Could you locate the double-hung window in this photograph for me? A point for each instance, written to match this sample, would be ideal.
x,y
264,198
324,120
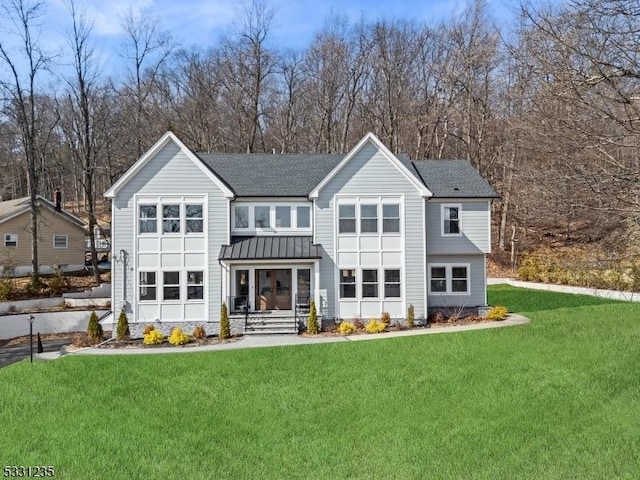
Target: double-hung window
x,y
391,218
449,279
195,219
171,218
347,283
391,283
346,219
195,285
171,285
369,283
451,220
60,241
147,285
369,218
148,218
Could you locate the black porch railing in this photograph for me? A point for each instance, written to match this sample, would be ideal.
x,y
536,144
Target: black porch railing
x,y
301,306
239,304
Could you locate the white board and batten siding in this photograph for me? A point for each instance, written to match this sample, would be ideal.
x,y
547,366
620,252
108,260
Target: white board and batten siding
x,y
371,177
171,175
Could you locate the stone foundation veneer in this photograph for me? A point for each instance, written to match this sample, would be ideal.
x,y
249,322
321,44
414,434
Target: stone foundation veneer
x,y
210,328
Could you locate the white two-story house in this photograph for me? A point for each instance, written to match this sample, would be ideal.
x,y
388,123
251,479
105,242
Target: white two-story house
x,y
359,234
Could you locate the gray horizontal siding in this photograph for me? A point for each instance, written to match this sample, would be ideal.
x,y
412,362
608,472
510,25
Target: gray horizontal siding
x,y
476,234
170,172
370,173
478,282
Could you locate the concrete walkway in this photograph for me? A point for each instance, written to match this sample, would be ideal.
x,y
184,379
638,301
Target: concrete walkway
x,y
595,292
264,341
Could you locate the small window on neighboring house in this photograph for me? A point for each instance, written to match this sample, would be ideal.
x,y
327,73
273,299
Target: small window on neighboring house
x,y
147,285
195,220
391,218
368,218
148,222
241,216
261,215
451,220
392,283
304,216
438,279
171,286
283,217
369,283
346,219
60,241
170,218
11,240
348,283
195,285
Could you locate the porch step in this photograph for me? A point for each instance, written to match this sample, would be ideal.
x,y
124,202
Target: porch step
x,y
267,324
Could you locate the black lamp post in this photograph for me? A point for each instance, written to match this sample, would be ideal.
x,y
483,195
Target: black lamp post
x,y
31,318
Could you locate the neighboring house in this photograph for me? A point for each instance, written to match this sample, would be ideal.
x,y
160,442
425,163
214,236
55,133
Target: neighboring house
x,y
359,234
60,237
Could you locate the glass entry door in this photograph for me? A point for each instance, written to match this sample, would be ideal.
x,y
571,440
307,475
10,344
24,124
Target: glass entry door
x,y
273,289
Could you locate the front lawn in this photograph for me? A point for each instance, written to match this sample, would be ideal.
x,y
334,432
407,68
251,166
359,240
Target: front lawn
x,y
557,398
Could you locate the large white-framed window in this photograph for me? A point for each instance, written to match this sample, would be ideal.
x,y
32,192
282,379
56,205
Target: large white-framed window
x,y
147,286
369,283
369,215
392,281
11,240
451,219
60,241
390,218
195,285
173,285
449,279
174,216
271,218
368,218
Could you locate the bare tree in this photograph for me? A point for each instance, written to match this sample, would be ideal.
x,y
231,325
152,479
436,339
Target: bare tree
x,y
19,95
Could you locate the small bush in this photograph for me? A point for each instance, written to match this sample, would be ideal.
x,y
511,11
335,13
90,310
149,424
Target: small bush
x,y
225,328
7,289
199,333
346,328
178,337
437,317
94,330
312,321
148,328
498,312
385,318
411,319
58,283
358,324
122,332
375,326
154,337
35,286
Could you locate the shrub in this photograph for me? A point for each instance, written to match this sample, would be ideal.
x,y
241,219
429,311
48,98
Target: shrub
x,y
375,326
411,319
7,289
346,328
122,331
34,286
148,328
178,337
312,321
58,282
94,330
199,333
225,328
154,337
385,318
358,324
498,312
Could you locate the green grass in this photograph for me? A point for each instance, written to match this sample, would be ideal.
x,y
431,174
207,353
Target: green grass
x,y
557,398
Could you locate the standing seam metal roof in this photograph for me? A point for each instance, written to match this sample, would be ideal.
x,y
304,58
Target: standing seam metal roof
x,y
269,248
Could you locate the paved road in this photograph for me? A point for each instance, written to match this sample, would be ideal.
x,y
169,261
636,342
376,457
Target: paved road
x,y
15,353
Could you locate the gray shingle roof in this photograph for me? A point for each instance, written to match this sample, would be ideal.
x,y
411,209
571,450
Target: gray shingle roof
x,y
270,175
17,206
295,175
452,179
269,248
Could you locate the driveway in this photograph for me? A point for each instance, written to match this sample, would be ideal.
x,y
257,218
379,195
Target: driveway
x,y
14,353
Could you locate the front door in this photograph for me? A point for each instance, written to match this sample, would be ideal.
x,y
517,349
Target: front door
x,y
273,289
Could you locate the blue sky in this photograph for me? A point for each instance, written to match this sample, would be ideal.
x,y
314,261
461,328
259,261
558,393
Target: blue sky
x,y
196,22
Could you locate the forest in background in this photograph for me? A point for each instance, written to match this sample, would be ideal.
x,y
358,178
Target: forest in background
x,y
546,108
